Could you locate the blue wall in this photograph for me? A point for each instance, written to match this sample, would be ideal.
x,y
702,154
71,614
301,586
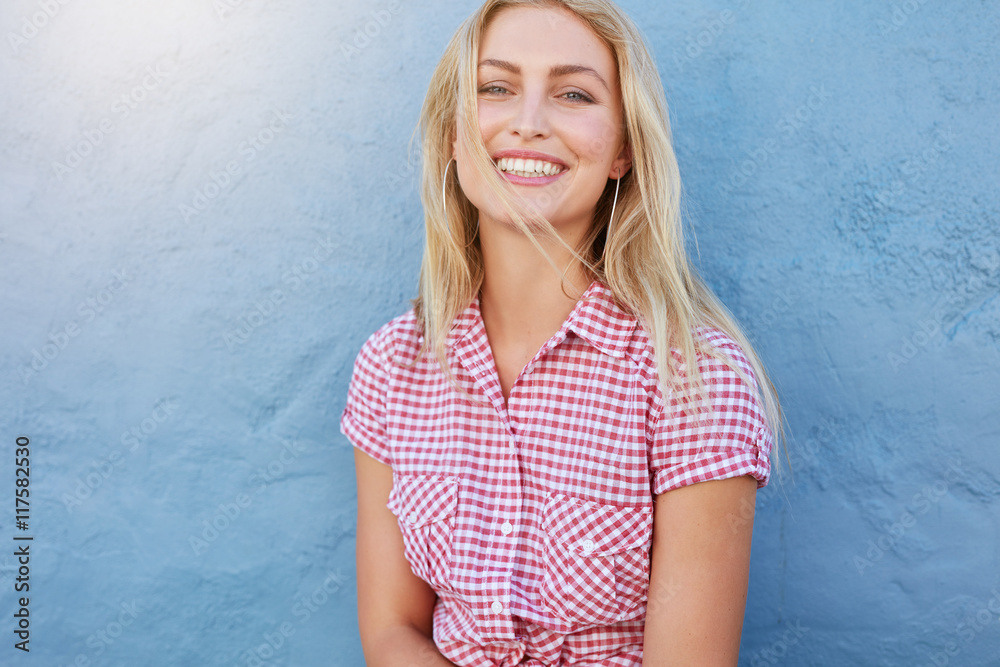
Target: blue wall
x,y
207,207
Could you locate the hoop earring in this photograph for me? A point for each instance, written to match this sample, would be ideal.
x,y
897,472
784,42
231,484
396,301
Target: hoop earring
x,y
444,188
614,203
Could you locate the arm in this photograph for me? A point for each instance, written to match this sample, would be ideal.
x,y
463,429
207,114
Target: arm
x,y
395,607
699,571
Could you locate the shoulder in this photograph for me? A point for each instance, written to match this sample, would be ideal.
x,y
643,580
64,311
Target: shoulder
x,y
396,341
727,378
714,348
723,380
714,344
711,423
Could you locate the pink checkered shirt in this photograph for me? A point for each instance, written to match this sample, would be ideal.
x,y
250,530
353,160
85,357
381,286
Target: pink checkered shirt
x,y
533,521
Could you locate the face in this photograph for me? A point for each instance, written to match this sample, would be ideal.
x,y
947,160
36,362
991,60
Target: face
x,y
550,115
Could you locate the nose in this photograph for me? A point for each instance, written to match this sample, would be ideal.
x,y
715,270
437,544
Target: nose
x,y
530,118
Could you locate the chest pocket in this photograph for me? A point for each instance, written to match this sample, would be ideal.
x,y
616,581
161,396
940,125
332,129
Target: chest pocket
x,y
425,508
596,560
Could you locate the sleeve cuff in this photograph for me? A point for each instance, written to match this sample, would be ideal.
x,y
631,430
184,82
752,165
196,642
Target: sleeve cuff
x,y
364,439
716,465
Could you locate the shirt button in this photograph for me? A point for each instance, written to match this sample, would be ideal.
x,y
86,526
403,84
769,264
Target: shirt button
x,y
413,518
497,606
587,545
506,528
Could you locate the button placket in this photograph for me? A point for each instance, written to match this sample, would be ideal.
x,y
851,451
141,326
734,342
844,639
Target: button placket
x,y
497,466
497,591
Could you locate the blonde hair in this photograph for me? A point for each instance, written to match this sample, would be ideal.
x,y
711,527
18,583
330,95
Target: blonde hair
x,y
643,261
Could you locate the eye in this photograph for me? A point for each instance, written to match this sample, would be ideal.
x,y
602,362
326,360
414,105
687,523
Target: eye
x,y
578,96
493,89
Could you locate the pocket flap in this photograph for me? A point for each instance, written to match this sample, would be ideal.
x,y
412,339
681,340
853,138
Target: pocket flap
x,y
418,500
592,529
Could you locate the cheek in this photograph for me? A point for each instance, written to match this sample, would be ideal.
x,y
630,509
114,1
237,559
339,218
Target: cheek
x,y
597,141
466,178
491,123
469,179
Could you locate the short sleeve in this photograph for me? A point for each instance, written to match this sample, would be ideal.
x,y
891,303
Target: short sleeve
x,y
728,437
363,420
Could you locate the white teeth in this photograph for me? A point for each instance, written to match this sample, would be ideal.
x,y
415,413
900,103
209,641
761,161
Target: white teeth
x,y
527,168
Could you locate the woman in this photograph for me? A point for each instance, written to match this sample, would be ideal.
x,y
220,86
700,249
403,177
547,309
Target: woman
x,y
552,446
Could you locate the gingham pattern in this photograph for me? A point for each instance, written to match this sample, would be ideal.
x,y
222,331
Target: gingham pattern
x,y
533,521
426,505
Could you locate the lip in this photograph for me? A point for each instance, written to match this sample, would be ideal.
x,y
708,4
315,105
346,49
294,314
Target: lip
x,y
530,155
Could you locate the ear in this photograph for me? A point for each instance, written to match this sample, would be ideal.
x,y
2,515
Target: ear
x,y
622,163
454,141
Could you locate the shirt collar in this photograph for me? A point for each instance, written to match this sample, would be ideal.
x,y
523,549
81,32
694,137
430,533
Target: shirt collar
x,y
597,318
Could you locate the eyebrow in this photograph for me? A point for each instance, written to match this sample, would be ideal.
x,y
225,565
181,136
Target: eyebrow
x,y
556,70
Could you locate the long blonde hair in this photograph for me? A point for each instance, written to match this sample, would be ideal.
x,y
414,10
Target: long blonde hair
x,y
643,261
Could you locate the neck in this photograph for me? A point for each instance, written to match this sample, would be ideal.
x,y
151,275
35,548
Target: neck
x,y
524,295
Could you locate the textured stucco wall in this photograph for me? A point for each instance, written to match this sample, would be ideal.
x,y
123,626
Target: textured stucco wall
x,y
205,207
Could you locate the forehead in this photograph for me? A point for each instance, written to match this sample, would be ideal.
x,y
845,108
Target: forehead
x,y
546,35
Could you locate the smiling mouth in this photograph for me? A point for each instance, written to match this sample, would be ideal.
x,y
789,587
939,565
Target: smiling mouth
x,y
528,168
